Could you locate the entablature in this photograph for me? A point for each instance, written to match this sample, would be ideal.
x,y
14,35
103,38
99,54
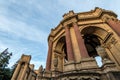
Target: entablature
x,y
93,16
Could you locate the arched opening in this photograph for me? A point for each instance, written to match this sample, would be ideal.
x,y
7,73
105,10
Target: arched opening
x,y
61,47
93,38
91,42
61,52
64,49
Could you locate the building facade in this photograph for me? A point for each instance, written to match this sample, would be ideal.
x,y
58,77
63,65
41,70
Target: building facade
x,y
78,39
75,43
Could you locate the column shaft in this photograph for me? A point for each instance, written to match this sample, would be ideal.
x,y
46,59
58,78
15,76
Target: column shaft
x,y
81,44
49,56
69,44
30,75
24,72
15,75
115,25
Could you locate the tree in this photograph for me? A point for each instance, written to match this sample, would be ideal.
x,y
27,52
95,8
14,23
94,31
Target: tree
x,y
5,73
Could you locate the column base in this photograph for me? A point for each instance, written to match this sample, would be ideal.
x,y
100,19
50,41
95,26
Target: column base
x,y
69,66
109,65
87,63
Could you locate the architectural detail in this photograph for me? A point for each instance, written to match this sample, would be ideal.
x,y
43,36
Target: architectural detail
x,y
82,48
75,44
114,25
84,37
24,70
49,54
69,44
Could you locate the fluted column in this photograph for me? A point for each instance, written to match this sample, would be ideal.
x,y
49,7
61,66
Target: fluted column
x,y
115,25
49,56
14,77
81,44
24,72
69,44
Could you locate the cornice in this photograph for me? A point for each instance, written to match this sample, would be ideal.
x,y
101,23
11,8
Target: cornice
x,y
70,17
97,13
55,31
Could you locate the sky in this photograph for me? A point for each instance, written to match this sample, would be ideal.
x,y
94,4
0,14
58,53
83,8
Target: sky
x,y
26,24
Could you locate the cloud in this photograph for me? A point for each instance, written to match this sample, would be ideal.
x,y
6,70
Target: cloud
x,y
16,33
21,29
25,24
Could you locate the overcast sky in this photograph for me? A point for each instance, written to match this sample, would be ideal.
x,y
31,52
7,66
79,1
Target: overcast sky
x,y
26,24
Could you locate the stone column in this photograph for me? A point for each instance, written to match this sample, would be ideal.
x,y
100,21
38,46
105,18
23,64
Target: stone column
x,y
49,56
69,44
24,72
15,75
115,25
30,75
80,40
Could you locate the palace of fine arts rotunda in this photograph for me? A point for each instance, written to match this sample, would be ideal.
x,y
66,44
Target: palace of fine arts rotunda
x,y
73,46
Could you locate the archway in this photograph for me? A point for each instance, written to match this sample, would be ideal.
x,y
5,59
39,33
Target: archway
x,y
61,52
91,42
92,39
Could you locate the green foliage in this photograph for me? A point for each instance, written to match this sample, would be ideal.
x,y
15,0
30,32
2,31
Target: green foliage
x,y
5,73
4,58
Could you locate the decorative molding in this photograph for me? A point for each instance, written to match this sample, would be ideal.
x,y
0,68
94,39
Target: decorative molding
x,y
108,36
66,15
113,40
68,22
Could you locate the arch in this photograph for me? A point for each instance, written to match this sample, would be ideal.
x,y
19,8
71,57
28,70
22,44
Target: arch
x,y
61,52
60,43
93,36
91,42
96,30
61,46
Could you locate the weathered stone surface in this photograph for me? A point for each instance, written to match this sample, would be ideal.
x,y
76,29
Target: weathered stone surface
x,y
72,48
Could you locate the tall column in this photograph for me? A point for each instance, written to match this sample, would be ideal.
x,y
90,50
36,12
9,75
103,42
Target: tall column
x,y
30,75
14,77
81,44
24,72
49,56
69,44
115,25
